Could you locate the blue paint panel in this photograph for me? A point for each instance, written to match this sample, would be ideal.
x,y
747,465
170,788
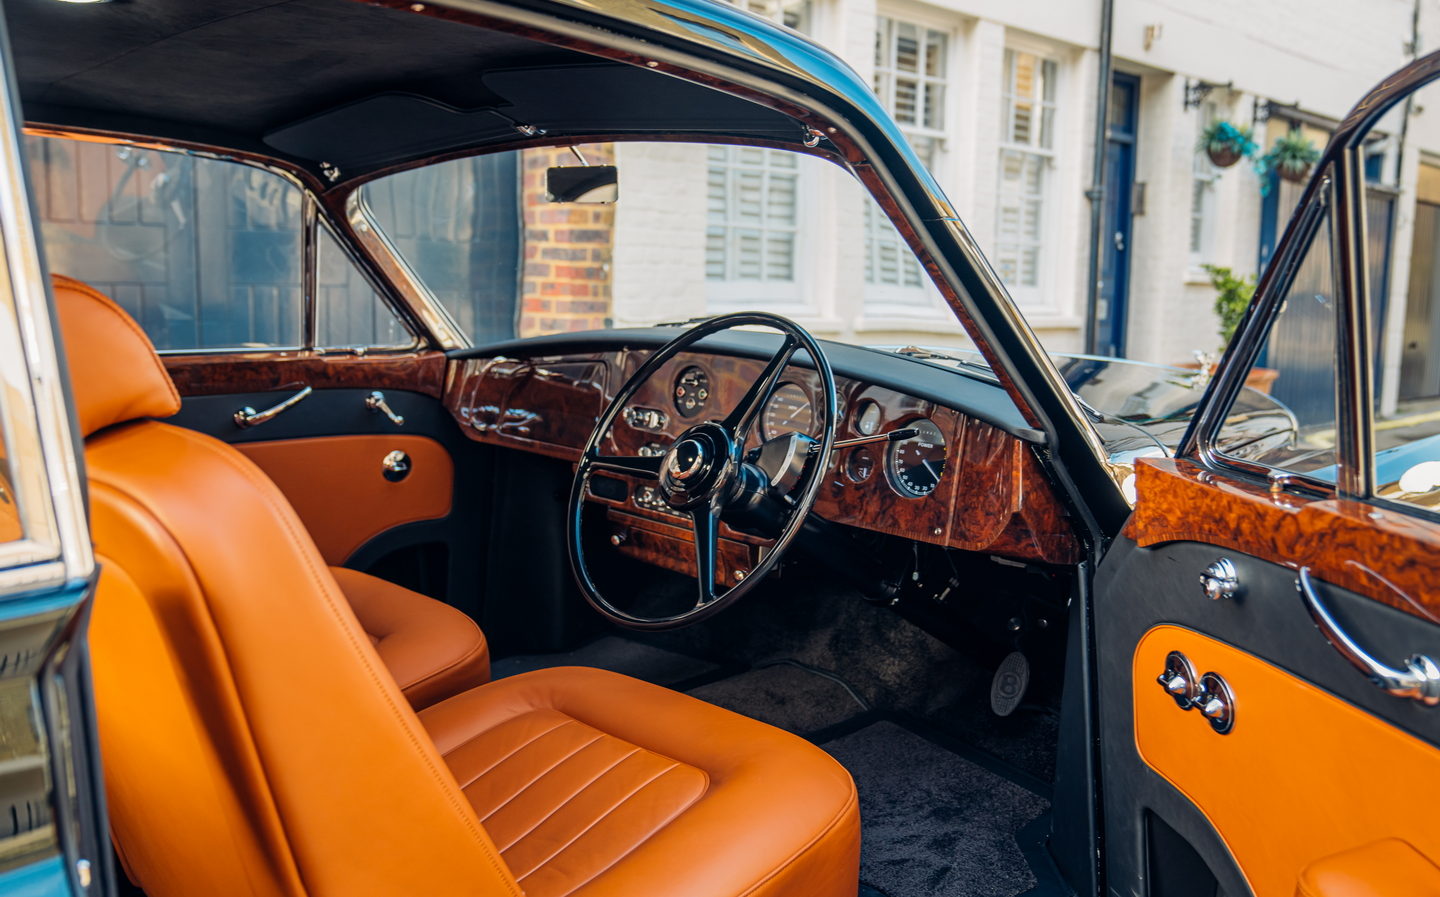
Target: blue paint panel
x,y
42,878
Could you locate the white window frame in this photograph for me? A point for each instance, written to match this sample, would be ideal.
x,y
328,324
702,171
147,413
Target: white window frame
x,y
1036,299
1205,178
900,302
789,296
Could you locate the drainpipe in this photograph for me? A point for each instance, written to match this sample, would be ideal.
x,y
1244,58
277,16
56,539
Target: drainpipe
x,y
1096,193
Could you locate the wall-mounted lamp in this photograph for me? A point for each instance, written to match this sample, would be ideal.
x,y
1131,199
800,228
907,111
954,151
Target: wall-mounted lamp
x,y
1196,91
1153,33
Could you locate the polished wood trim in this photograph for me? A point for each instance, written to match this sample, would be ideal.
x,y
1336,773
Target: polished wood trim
x,y
1383,554
238,372
672,546
994,496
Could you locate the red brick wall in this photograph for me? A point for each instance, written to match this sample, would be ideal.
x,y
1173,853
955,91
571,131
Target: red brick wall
x,y
568,250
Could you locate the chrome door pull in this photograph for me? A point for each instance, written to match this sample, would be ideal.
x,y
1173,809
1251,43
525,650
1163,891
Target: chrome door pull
x,y
1420,680
376,402
249,417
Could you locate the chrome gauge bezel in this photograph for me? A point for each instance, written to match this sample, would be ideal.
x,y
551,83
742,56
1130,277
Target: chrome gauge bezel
x,y
765,430
892,453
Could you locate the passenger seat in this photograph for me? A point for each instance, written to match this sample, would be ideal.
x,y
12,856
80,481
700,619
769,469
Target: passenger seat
x,y
433,650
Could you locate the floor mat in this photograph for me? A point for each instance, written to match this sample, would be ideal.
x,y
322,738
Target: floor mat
x,y
935,823
792,697
618,655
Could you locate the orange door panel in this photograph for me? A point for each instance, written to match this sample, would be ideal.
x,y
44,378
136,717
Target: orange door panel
x,y
338,485
1302,776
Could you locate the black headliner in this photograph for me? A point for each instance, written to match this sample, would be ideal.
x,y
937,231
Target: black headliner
x,y
230,72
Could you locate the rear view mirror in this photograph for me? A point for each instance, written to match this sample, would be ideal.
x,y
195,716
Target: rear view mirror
x,y
582,183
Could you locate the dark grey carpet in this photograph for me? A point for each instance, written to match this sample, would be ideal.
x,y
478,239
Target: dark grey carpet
x,y
618,655
935,823
790,697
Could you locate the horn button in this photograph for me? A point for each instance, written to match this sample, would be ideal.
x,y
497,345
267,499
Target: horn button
x,y
696,466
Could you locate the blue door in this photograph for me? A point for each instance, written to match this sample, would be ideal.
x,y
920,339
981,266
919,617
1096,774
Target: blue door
x,y
1115,238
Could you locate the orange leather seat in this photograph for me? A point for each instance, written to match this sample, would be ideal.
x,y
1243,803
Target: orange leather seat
x,y
255,743
432,649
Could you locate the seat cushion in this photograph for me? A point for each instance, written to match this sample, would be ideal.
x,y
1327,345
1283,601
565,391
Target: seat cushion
x,y
596,784
433,650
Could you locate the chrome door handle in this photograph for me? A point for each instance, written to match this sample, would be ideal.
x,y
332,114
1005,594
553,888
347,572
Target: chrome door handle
x,y
376,402
249,417
1420,680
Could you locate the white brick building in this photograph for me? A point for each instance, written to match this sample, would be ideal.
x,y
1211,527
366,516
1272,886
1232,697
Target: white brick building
x,y
999,96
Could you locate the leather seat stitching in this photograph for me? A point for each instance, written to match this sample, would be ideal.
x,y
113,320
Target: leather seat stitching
x,y
643,839
513,751
534,781
599,819
263,487
551,813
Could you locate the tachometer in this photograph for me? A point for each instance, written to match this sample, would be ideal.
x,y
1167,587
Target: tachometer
x,y
788,411
915,465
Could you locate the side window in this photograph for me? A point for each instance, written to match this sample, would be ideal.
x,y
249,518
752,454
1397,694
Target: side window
x,y
1407,381
1292,427
205,253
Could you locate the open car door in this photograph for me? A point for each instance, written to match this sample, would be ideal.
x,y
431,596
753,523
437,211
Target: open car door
x,y
53,835
1268,626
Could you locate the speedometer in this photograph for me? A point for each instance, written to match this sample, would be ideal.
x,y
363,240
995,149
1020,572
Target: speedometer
x,y
788,411
915,465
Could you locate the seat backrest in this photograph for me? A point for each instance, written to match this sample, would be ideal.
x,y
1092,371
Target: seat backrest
x,y
253,742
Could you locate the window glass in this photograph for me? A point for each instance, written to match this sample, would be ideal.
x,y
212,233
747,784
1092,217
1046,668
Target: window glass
x,y
1407,360
1297,369
459,225
697,229
348,310
204,253
1026,159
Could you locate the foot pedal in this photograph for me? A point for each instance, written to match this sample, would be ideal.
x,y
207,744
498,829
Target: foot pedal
x,y
1012,677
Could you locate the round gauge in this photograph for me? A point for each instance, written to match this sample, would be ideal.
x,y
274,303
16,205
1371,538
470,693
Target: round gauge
x,y
788,411
860,465
916,464
867,418
692,390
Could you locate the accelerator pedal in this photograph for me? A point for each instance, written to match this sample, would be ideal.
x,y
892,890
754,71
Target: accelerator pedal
x,y
1007,689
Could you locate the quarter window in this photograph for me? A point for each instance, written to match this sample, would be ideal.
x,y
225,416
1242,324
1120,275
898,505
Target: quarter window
x,y
1294,427
1027,153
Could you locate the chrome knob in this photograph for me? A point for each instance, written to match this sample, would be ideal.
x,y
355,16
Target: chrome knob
x,y
1216,702
1221,580
1180,680
395,466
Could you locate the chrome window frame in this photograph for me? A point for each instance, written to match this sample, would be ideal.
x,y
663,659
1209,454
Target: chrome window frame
x,y
41,448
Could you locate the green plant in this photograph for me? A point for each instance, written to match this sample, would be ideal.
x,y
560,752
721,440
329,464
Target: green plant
x,y
1226,144
1291,157
1232,297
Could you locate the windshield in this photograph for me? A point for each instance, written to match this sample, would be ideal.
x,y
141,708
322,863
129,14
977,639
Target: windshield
x,y
696,230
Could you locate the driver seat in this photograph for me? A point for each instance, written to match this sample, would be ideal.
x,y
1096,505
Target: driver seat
x,y
254,742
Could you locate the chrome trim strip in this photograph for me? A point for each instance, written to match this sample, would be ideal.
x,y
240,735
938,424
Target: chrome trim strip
x,y
432,314
44,460
1353,383
309,273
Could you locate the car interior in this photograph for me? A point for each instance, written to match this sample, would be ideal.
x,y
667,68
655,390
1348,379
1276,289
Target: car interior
x,y
407,615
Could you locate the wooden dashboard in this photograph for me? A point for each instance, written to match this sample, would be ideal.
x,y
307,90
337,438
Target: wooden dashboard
x,y
992,497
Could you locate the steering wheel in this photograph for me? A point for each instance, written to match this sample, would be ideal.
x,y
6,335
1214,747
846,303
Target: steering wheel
x,y
706,475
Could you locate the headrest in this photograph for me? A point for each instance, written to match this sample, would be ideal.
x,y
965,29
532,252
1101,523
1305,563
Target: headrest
x,y
114,371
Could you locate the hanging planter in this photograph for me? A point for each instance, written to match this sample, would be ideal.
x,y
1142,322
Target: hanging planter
x,y
1291,157
1226,144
